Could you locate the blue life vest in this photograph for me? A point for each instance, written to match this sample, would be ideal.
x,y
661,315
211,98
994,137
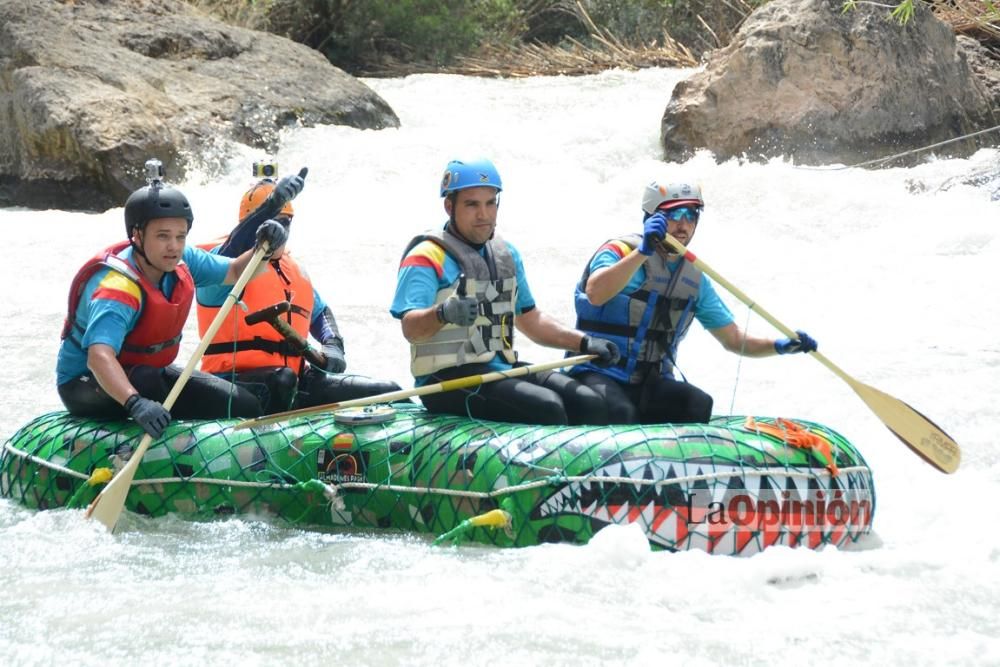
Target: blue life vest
x,y
646,325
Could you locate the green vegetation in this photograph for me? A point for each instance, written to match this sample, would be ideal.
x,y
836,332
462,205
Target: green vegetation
x,y
521,37
378,36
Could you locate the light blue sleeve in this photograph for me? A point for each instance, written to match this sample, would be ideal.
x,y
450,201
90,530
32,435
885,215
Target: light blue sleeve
x,y
525,300
206,268
709,308
416,288
318,306
104,322
608,257
107,321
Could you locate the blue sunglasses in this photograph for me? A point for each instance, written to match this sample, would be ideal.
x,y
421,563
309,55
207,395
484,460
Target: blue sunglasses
x,y
689,213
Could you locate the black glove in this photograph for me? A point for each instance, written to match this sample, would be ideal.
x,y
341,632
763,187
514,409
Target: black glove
x,y
458,310
274,233
333,350
654,229
288,187
606,351
148,414
804,343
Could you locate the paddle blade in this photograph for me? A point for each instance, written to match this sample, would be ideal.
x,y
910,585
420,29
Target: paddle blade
x,y
109,503
915,431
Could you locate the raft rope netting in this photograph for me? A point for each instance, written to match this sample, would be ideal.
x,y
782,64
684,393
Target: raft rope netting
x,y
271,487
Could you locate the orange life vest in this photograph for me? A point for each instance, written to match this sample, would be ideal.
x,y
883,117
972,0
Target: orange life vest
x,y
238,346
156,336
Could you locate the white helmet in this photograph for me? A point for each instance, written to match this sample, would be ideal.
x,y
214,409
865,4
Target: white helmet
x,y
666,196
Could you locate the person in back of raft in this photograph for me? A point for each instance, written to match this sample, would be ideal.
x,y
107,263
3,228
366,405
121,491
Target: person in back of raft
x,y
127,308
643,296
257,356
460,293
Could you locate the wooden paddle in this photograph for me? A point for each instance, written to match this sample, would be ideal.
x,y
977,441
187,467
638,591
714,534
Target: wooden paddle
x,y
388,397
916,431
107,506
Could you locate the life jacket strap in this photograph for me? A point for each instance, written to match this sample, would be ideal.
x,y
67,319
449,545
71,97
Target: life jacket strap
x,y
282,347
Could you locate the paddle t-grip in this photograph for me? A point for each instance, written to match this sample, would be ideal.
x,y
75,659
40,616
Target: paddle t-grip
x,y
269,313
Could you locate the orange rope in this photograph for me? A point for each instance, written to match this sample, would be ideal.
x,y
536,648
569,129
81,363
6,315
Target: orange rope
x,y
796,435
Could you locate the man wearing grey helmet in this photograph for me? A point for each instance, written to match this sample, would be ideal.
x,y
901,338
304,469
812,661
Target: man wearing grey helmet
x,y
642,296
127,308
461,292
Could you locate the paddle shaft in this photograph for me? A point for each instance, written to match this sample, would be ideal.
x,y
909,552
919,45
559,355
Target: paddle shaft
x,y
751,304
447,385
915,430
107,506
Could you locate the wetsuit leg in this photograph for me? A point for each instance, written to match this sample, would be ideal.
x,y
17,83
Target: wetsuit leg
x,y
203,397
510,400
274,386
621,401
317,387
583,404
668,400
84,397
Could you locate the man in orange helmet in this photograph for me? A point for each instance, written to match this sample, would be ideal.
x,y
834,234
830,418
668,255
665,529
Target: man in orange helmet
x,y
255,354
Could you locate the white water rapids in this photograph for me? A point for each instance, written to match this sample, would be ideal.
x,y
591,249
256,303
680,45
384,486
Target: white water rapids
x,y
898,286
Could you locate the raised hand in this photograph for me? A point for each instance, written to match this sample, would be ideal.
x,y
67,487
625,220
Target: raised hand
x,y
289,187
654,229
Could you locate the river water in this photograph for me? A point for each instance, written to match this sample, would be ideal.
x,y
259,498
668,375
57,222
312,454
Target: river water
x,y
894,277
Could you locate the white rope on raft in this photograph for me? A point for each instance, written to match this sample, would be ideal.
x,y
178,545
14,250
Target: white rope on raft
x,y
332,489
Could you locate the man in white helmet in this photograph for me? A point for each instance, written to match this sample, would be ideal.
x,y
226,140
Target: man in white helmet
x,y
461,291
638,293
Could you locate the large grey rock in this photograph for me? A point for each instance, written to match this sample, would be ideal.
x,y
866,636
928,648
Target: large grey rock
x,y
806,80
90,89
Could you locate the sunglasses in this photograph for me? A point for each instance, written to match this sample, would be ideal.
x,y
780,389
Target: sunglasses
x,y
688,213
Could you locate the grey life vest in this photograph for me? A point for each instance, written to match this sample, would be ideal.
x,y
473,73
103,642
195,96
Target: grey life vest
x,y
491,278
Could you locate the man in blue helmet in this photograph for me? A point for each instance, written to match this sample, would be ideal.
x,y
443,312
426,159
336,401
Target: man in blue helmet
x,y
639,293
460,293
127,308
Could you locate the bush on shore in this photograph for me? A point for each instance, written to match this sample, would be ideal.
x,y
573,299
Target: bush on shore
x,y
494,37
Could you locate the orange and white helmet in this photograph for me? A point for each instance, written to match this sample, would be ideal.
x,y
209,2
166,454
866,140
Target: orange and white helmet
x,y
662,196
256,196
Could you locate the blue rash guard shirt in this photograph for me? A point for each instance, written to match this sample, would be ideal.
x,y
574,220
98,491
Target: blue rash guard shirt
x,y
107,321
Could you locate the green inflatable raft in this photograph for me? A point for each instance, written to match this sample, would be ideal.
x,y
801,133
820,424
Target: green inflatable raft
x,y
734,486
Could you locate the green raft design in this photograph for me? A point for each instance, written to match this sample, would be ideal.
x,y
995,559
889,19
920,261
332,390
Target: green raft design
x,y
733,486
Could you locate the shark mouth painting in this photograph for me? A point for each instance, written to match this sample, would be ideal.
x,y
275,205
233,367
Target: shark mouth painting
x,y
717,508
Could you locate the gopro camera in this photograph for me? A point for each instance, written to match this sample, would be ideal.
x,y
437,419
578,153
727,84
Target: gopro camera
x,y
154,172
265,169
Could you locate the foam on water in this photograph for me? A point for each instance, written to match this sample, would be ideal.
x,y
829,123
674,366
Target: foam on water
x,y
896,284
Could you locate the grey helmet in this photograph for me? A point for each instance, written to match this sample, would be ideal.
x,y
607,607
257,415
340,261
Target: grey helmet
x,y
663,195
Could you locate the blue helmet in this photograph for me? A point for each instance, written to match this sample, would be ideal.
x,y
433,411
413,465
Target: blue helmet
x,y
459,175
